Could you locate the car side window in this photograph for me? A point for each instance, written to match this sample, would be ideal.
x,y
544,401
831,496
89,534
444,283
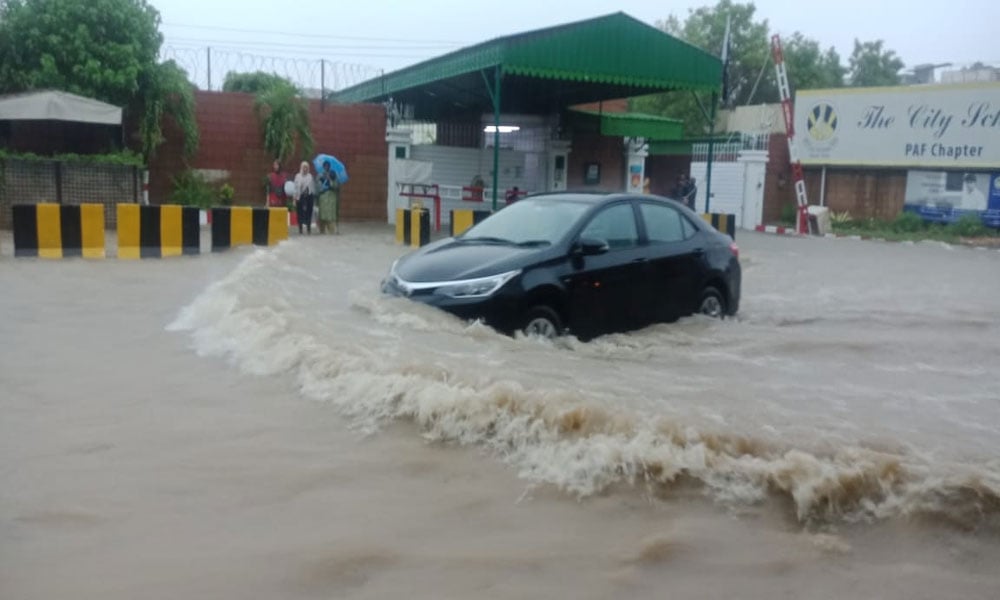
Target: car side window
x,y
616,225
664,224
689,228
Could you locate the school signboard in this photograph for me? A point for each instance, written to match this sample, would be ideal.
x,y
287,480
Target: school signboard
x,y
926,126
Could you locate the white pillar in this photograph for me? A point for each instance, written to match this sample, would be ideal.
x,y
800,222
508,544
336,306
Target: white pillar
x,y
557,170
754,163
399,142
636,151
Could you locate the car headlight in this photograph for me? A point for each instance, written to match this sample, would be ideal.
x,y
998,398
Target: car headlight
x,y
476,288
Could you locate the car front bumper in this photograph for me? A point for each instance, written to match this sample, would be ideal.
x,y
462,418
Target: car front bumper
x,y
499,310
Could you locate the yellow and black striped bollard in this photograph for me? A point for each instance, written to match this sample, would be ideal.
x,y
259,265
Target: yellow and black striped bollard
x,y
157,231
59,230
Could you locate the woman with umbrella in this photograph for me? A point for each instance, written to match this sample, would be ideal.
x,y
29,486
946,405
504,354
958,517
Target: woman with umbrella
x,y
329,198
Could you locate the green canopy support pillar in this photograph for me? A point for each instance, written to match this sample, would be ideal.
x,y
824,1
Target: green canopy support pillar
x,y
711,152
494,91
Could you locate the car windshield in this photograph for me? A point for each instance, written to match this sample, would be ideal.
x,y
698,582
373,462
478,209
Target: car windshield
x,y
533,221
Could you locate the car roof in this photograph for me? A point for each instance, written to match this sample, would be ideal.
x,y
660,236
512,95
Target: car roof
x,y
598,198
601,197
587,197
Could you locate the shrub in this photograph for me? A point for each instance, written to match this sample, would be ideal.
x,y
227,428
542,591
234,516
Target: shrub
x,y
226,193
840,218
970,226
191,189
908,222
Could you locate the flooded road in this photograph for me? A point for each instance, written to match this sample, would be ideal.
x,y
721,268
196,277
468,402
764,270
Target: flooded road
x,y
264,424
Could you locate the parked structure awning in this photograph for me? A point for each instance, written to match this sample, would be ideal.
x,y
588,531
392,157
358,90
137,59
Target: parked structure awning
x,y
547,70
58,106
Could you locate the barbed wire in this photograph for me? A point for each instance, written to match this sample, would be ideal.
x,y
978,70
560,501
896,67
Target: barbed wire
x,y
207,67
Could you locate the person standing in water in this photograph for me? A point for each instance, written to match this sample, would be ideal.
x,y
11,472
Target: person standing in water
x,y
275,184
329,199
305,197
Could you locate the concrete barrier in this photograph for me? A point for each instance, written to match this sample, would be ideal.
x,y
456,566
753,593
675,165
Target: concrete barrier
x,y
59,230
244,225
157,231
463,219
725,223
413,227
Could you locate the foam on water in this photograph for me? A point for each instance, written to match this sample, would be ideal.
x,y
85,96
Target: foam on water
x,y
360,359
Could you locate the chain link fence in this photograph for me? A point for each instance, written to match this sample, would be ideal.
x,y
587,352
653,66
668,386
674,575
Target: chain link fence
x,y
61,182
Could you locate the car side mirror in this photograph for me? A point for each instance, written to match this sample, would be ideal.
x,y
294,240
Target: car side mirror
x,y
590,247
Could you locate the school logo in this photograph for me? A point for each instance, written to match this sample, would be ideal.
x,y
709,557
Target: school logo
x,y
822,122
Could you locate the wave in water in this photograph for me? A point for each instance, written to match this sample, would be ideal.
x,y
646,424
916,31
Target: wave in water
x,y
559,436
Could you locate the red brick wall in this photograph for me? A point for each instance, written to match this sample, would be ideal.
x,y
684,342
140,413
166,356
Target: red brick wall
x,y
779,189
231,141
609,152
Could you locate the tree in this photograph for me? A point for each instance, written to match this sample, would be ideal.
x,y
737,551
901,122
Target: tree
x,y
705,28
167,91
751,71
809,67
284,121
102,49
872,65
252,83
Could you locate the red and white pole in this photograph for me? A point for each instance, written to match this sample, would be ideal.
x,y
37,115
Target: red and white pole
x,y
787,110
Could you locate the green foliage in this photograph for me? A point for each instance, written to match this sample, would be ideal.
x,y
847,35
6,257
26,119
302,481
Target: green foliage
x,y
94,48
751,73
840,218
911,227
125,157
103,49
226,193
191,189
908,222
809,66
253,83
971,226
284,121
872,65
168,92
705,28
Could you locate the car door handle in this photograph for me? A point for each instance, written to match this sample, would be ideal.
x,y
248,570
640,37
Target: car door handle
x,y
640,260
699,250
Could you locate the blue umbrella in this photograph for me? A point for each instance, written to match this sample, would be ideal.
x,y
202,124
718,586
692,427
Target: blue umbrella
x,y
335,165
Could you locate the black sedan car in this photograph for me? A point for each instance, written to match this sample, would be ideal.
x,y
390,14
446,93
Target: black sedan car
x,y
586,264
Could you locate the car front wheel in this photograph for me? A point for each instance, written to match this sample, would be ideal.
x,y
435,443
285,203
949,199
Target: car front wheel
x,y
712,303
541,321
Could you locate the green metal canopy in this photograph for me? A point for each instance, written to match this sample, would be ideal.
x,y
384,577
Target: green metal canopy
x,y
547,70
631,124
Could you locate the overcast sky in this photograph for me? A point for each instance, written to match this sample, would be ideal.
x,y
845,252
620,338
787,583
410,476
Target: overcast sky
x,y
364,36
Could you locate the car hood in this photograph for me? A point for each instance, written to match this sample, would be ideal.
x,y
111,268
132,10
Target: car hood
x,y
451,260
